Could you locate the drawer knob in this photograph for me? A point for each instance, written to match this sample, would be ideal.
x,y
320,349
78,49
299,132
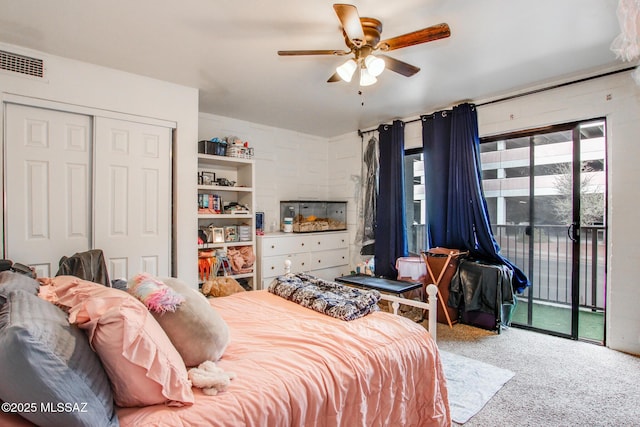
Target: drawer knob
x,y
273,246
319,261
302,243
272,267
303,263
318,242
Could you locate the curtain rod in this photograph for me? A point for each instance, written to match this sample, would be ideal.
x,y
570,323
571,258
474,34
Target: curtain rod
x,y
531,92
362,132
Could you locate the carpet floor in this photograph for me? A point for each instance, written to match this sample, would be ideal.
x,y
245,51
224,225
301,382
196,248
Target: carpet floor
x,y
557,381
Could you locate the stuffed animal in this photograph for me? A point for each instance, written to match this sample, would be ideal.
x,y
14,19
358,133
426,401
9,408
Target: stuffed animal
x,y
210,378
221,286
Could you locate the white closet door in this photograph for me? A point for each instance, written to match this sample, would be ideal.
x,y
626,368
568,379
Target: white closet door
x,y
47,178
132,209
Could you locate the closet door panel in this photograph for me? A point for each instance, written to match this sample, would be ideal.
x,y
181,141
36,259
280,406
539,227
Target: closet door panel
x,y
47,191
132,214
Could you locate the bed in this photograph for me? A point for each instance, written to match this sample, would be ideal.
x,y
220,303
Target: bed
x,y
298,367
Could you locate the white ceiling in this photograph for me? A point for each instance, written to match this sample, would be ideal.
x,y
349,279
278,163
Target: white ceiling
x,y
227,49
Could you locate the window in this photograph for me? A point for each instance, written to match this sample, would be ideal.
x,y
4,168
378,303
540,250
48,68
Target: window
x,y
505,175
415,210
509,162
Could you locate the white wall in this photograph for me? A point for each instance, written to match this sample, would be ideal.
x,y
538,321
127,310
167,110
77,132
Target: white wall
x,y
82,85
289,165
615,97
345,173
344,169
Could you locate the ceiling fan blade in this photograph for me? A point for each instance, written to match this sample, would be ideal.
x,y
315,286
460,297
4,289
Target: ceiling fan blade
x,y
398,66
312,52
350,20
434,32
334,78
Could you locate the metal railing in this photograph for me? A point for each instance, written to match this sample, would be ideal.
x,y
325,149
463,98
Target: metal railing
x,y
543,253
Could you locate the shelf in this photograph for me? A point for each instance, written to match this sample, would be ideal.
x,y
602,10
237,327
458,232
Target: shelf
x,y
224,216
243,276
224,188
234,276
204,246
219,160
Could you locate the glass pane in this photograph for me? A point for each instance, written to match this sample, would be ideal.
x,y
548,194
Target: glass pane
x,y
593,231
530,207
415,202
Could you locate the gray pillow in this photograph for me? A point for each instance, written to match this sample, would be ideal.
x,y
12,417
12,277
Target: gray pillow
x,y
46,362
12,281
196,329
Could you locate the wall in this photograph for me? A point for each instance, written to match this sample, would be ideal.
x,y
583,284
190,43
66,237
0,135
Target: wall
x,y
81,85
289,165
615,97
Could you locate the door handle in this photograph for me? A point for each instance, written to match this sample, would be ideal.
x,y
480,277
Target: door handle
x,y
573,232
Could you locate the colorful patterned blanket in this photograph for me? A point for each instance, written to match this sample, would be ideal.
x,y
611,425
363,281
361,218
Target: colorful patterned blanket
x,y
330,298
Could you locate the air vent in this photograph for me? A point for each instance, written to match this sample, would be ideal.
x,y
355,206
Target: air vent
x,y
21,64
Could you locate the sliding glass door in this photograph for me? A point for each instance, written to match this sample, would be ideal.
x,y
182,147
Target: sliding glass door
x,y
546,192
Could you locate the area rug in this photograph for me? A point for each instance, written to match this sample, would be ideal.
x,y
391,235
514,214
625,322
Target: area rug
x,y
471,384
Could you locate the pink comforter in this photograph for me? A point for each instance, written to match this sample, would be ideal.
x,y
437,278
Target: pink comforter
x,y
296,367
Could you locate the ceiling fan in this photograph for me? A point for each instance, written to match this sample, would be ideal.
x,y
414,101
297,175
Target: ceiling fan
x,y
362,37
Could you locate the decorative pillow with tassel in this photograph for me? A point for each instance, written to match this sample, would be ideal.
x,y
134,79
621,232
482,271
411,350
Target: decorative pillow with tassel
x,y
194,327
154,294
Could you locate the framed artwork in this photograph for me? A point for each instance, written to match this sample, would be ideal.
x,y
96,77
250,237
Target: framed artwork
x,y
230,233
208,178
218,235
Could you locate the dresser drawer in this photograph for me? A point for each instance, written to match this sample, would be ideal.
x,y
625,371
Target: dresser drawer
x,y
274,265
321,242
284,245
331,258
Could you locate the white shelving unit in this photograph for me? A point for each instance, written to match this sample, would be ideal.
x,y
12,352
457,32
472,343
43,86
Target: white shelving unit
x,y
242,172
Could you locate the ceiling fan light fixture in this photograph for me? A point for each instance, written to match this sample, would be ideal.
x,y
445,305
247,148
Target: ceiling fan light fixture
x,y
375,65
366,79
362,36
346,70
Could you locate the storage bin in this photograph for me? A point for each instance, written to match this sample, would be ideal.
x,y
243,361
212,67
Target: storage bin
x,y
239,151
244,233
217,148
212,146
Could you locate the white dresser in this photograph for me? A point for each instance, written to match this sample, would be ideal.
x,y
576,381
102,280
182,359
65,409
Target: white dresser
x,y
325,255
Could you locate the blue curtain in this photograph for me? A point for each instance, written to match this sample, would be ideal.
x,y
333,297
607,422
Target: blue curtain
x,y
391,230
457,215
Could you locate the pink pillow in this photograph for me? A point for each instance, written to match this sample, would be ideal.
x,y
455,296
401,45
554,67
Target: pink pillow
x,y
143,366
